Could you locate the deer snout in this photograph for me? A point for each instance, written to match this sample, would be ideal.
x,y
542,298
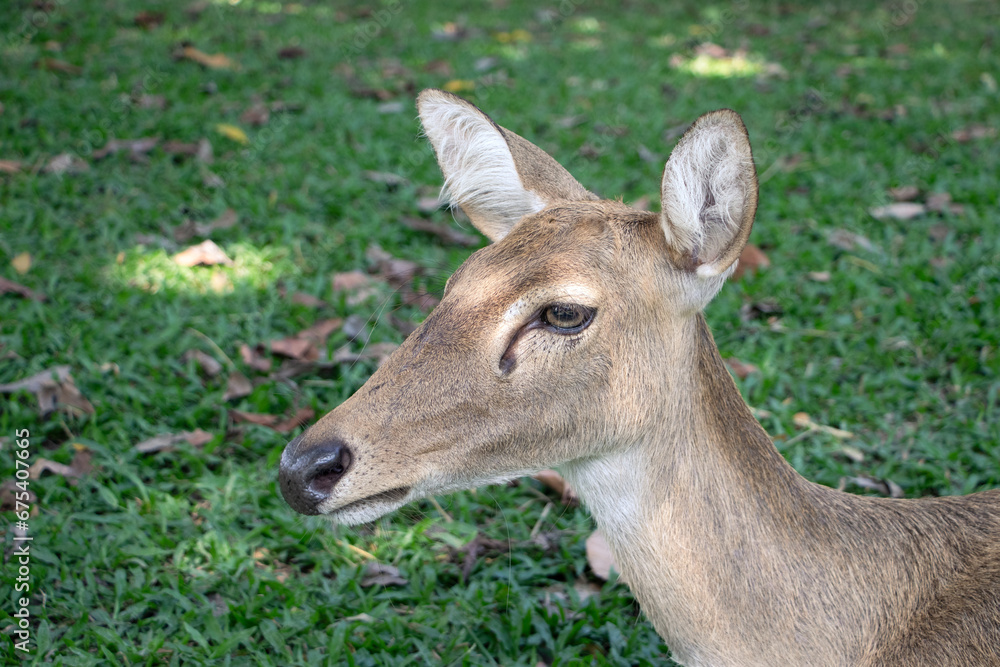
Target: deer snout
x,y
309,471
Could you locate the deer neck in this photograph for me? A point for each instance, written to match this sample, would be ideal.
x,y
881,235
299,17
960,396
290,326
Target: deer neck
x,y
698,511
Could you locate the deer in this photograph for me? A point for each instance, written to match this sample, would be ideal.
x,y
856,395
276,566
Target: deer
x,y
576,339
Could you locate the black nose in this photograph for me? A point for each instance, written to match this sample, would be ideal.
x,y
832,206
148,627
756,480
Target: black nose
x,y
309,471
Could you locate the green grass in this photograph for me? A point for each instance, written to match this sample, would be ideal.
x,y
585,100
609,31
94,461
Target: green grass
x,y
191,557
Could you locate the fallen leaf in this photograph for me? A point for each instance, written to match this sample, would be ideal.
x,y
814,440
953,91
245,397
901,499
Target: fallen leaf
x,y
189,228
752,259
274,422
308,300
205,361
148,20
819,276
741,369
884,486
803,420
253,357
151,102
201,149
10,166
388,178
444,232
480,546
901,210
232,132
459,85
904,193
975,131
847,240
165,442
350,280
61,66
381,574
555,481
66,163
44,465
940,202
295,348
10,287
257,114
54,388
319,332
237,386
291,52
137,148
431,204
206,252
21,263
852,453
599,556
377,351
216,61
362,617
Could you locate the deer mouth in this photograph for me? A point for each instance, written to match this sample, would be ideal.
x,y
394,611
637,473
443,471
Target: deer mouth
x,y
370,507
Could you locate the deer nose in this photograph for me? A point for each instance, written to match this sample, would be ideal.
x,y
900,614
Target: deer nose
x,y
308,473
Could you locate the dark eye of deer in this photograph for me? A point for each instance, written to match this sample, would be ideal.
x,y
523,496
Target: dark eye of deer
x,y
567,318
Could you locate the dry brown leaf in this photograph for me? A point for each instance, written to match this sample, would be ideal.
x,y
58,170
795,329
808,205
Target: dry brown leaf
x,y
555,481
165,442
975,131
10,166
599,556
206,252
377,351
444,232
201,149
752,259
847,240
148,20
44,465
205,361
257,114
10,287
381,574
21,263
886,487
216,61
319,332
904,193
137,148
253,357
388,178
237,386
308,300
274,422
291,52
803,420
61,66
350,280
295,348
54,388
940,202
741,369
901,210
66,163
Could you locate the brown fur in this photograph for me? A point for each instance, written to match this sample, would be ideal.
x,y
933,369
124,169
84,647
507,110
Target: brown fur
x,y
736,559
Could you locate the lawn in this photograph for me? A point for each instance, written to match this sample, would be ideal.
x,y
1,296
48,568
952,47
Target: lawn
x,y
286,133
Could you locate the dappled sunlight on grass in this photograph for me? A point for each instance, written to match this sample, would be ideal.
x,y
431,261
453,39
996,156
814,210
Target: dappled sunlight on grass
x,y
153,270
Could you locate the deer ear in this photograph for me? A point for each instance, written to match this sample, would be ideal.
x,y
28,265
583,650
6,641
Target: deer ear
x,y
709,194
494,175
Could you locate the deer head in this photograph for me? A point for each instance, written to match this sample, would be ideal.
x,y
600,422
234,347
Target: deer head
x,y
550,345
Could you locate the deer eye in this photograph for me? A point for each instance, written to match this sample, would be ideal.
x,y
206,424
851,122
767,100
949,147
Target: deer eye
x,y
567,317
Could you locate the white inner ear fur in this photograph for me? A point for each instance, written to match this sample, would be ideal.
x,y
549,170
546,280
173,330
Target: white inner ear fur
x,y
704,196
479,170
